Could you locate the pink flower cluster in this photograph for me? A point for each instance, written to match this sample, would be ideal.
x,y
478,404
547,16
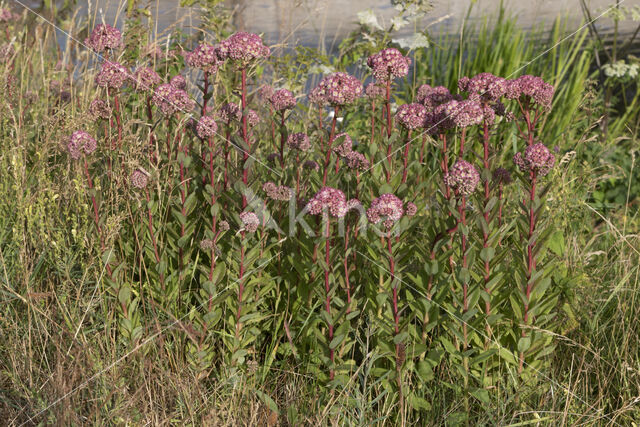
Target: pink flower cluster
x,y
299,141
311,165
501,176
282,100
139,179
7,16
229,112
170,100
483,87
431,97
277,192
179,82
536,158
388,64
98,109
463,178
206,127
328,199
146,78
412,209
375,91
203,57
104,37
250,221
343,149
357,161
386,209
242,47
265,92
112,75
80,142
532,87
411,116
336,89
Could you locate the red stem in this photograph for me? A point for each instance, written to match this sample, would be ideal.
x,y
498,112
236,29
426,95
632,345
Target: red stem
x,y
327,289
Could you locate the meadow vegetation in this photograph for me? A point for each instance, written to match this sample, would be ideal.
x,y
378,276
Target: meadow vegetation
x,y
204,229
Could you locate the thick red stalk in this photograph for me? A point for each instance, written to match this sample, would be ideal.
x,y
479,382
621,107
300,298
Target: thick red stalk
x,y
406,156
531,262
332,134
282,140
245,138
327,289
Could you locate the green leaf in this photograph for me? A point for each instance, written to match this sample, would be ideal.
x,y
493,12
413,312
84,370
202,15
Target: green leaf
x,y
268,401
556,243
482,395
523,344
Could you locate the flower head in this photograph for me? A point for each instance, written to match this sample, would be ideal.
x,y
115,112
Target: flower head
x,y
483,87
343,149
6,52
311,165
273,157
328,199
98,109
179,82
501,176
357,161
223,226
299,141
145,78
252,118
242,47
532,87
466,113
388,64
112,75
431,97
411,116
265,92
282,100
337,89
230,112
536,158
250,221
203,57
277,192
386,209
374,91
139,179
81,142
104,37
207,244
170,100
412,209
206,127
462,177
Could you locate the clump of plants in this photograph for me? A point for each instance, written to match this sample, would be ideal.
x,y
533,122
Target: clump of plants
x,y
270,227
